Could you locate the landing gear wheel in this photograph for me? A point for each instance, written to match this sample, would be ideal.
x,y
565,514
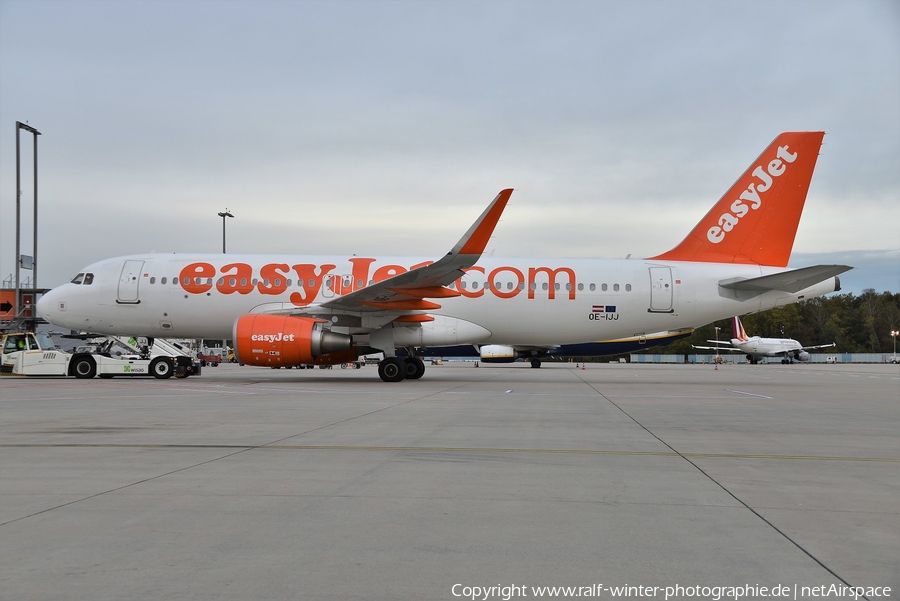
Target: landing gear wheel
x,y
84,367
535,363
392,369
415,368
161,368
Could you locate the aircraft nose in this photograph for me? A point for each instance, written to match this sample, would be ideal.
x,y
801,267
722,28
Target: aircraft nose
x,y
47,305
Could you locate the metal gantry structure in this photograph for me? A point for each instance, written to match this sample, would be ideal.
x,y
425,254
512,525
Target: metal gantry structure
x,y
20,319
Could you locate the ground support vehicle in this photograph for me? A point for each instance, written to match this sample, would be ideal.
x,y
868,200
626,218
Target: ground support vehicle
x,y
29,354
211,357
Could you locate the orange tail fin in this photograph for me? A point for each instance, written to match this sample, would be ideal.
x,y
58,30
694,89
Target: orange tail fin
x,y
756,221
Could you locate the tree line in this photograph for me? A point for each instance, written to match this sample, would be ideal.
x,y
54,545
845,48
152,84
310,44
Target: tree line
x,y
858,324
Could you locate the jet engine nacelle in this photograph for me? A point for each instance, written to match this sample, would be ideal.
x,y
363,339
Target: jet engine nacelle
x,y
802,356
282,340
496,353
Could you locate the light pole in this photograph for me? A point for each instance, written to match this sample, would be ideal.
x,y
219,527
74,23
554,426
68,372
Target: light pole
x,y
223,216
717,328
894,334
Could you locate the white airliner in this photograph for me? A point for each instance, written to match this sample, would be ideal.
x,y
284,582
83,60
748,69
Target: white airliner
x,y
755,347
292,310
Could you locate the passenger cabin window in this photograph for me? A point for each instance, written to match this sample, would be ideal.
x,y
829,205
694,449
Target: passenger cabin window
x,y
77,279
162,281
88,279
152,280
627,287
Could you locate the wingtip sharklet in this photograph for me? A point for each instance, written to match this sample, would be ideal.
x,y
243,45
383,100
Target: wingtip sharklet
x,y
476,238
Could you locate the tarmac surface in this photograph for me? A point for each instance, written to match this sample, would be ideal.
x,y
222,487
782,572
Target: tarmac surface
x,y
256,484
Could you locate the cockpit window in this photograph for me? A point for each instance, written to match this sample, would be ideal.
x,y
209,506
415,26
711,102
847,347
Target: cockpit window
x,y
77,279
88,279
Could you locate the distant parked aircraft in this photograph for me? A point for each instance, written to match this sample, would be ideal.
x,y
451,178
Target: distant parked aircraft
x,y
756,347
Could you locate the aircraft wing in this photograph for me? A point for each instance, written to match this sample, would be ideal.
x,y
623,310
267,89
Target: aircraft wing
x,y
406,292
718,348
810,348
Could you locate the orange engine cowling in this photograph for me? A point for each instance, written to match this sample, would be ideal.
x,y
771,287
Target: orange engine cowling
x,y
282,340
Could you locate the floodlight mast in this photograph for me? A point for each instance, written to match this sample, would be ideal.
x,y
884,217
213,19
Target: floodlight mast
x,y
717,328
894,334
223,216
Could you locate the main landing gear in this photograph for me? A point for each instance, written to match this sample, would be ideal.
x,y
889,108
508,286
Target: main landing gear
x,y
394,369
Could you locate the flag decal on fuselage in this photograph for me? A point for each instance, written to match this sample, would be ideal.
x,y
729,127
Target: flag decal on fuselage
x,y
604,309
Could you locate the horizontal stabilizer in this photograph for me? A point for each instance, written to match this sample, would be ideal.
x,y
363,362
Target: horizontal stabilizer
x,y
787,281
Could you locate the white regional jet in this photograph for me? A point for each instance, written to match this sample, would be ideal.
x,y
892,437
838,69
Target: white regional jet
x,y
755,347
283,310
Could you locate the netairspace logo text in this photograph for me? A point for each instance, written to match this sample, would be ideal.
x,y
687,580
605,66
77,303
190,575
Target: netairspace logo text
x,y
716,593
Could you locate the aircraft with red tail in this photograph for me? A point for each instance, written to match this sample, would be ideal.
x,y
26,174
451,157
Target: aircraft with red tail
x,y
755,347
285,310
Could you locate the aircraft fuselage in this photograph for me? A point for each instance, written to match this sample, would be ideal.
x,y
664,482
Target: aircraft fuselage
x,y
516,301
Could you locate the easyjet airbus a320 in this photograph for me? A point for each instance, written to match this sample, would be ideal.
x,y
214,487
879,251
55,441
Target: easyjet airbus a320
x,y
296,310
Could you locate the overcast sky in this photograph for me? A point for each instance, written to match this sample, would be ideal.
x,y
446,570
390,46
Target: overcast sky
x,y
386,127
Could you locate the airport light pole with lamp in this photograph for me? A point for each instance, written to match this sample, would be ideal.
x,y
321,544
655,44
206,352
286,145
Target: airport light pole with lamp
x,y
223,216
717,328
894,334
